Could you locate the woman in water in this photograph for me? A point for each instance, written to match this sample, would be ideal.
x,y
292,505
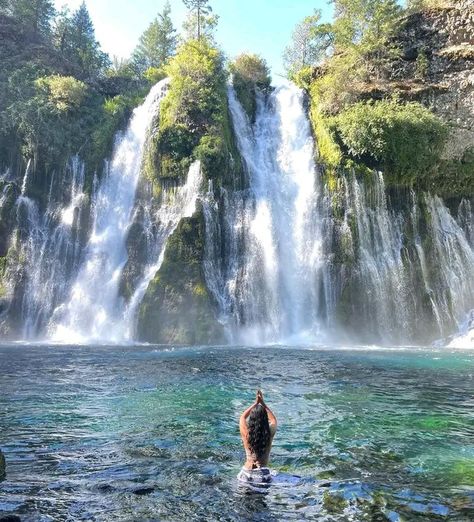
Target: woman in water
x,y
257,429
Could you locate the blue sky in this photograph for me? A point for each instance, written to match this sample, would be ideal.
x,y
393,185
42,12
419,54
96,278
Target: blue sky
x,y
260,26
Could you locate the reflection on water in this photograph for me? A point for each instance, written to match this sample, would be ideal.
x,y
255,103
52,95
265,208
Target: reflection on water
x,y
141,433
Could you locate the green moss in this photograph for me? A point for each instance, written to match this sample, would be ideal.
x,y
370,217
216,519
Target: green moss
x,y
329,151
250,74
333,503
177,307
453,178
194,121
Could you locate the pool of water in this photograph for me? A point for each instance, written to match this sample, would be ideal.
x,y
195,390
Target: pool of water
x,y
148,433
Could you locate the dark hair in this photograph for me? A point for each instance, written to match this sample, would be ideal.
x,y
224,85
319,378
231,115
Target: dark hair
x,y
259,434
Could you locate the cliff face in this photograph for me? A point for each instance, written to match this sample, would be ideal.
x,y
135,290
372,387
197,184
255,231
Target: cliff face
x,y
437,69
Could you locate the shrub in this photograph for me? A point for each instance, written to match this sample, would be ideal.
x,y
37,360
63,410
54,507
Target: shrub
x,y
197,76
405,139
64,92
250,72
212,153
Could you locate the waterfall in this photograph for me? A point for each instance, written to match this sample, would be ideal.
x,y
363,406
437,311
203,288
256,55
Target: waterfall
x,y
176,203
402,283
94,309
291,259
271,287
48,244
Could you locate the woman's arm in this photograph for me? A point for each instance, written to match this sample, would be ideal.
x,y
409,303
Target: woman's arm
x,y
271,417
243,421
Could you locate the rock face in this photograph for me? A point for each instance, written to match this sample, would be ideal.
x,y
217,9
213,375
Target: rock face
x,y
177,308
437,68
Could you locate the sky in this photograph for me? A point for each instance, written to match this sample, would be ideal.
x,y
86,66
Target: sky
x,y
263,27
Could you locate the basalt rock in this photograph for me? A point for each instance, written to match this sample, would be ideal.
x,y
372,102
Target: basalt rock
x,y
443,38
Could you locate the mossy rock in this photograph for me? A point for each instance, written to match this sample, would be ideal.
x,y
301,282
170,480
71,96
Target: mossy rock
x,y
334,503
177,307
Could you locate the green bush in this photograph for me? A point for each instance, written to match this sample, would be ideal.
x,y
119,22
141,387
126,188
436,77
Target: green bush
x,y
64,92
212,152
250,72
404,139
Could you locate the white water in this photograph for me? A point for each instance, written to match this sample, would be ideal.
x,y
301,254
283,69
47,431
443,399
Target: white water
x,y
283,268
176,204
49,246
271,288
94,310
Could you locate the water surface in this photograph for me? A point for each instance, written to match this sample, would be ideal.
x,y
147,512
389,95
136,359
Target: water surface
x,y
150,433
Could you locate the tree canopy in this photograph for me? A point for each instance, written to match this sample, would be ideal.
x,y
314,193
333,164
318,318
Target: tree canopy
x,y
157,44
200,20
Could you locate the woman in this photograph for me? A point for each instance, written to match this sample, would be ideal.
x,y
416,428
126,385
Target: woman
x,y
257,429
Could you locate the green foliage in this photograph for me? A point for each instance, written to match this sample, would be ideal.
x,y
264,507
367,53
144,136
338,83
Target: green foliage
x,y
154,75
74,37
197,78
422,65
64,92
34,15
213,153
157,44
200,21
50,104
250,73
405,139
309,45
194,120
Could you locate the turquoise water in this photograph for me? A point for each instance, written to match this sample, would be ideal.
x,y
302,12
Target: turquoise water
x,y
147,433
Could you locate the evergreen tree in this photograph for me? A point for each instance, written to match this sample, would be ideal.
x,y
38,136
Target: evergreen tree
x,y
75,38
34,15
365,30
310,42
157,44
201,11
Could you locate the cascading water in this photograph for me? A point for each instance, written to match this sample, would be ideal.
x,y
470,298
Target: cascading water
x,y
176,203
271,286
401,284
94,309
289,259
49,245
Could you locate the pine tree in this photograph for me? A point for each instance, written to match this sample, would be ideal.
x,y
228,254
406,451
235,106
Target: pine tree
x,y
34,15
200,9
310,42
75,37
157,44
365,29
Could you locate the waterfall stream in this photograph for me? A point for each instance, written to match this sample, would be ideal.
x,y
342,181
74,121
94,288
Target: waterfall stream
x,y
290,260
272,284
94,309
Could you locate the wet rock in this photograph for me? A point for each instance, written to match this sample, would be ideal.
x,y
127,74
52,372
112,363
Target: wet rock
x,y
10,518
